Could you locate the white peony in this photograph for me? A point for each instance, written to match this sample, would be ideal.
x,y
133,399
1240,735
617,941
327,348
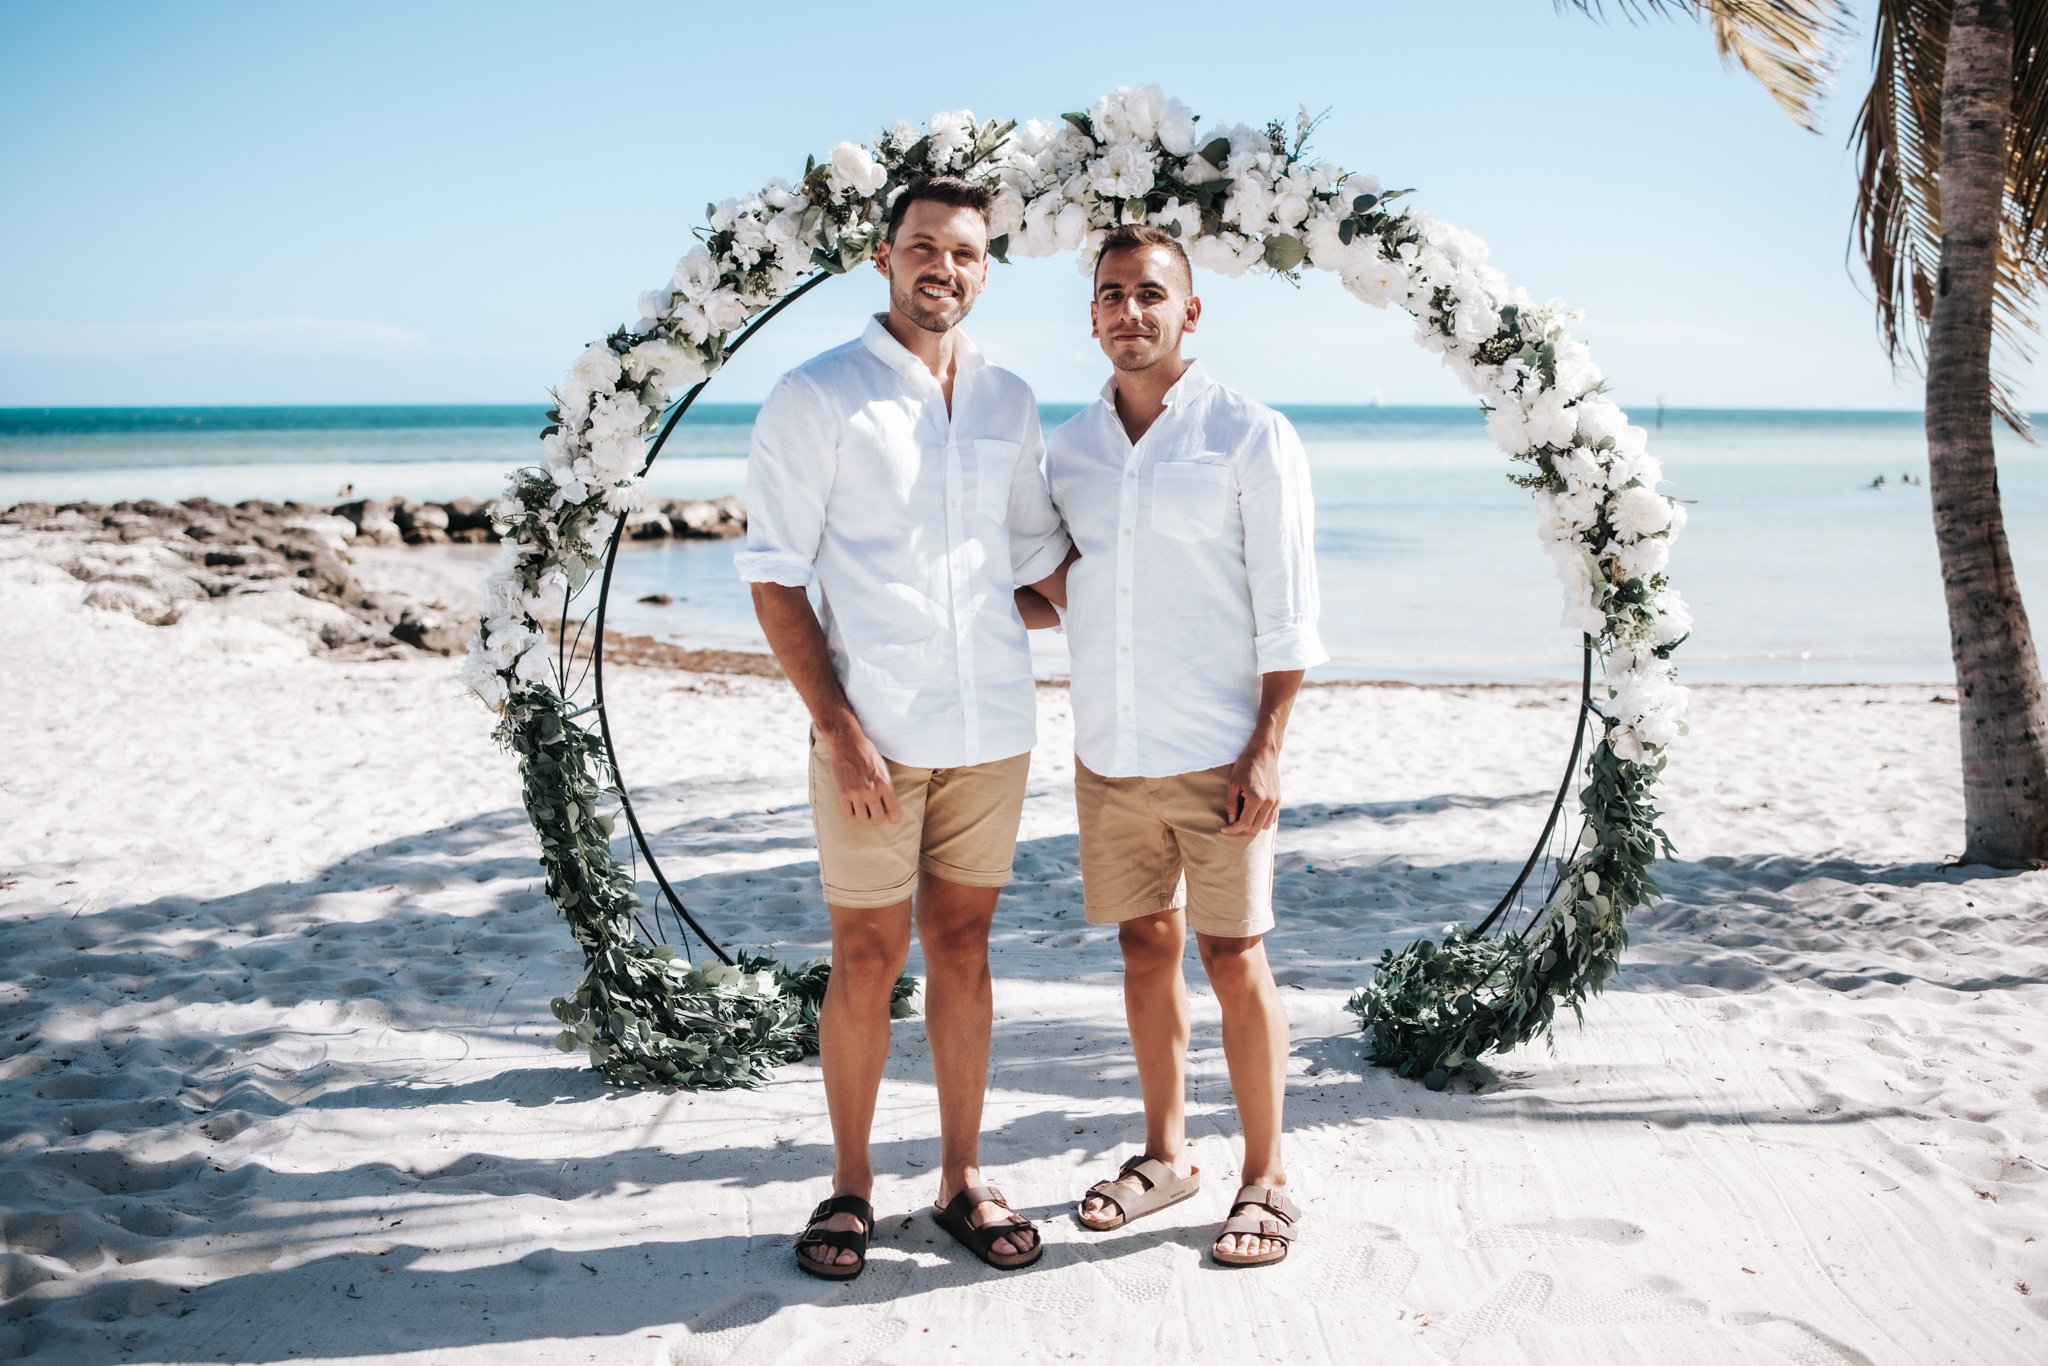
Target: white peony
x,y
1128,114
1221,252
670,366
1177,128
696,275
1070,228
1127,172
1005,212
1508,425
1643,558
1637,512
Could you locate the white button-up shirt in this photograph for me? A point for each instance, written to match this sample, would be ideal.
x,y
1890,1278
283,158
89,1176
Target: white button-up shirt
x,y
1197,574
913,527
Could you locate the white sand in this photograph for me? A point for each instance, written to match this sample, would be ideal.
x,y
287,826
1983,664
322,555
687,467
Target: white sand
x,y
276,1083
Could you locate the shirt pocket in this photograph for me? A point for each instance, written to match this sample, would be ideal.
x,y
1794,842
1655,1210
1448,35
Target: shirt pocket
x,y
995,466
1189,499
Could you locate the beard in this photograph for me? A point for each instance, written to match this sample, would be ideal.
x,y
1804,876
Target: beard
x,y
929,315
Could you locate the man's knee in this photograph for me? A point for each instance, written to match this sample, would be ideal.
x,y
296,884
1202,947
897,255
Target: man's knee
x,y
1236,967
1153,943
868,955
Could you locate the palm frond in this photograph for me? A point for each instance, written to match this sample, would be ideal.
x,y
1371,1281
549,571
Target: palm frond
x,y
1897,232
1789,46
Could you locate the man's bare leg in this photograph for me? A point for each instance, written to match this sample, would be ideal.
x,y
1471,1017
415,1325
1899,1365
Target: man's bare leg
x,y
1255,1049
959,1009
1156,1008
868,951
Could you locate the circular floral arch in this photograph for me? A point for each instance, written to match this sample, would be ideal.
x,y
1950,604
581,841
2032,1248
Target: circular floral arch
x,y
1242,199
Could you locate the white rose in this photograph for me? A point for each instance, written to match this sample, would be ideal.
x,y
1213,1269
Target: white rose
x,y
696,275
1637,512
724,310
854,170
1290,207
596,369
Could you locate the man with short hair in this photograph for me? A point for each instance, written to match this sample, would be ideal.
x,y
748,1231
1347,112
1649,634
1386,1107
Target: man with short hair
x,y
899,477
1191,617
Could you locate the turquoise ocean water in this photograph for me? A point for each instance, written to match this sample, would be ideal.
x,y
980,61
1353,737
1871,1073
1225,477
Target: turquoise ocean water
x,y
1798,570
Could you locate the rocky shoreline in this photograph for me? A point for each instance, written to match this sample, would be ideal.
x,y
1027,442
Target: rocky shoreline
x,y
335,576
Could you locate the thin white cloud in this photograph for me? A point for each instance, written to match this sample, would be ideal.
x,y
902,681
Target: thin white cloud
x,y
326,338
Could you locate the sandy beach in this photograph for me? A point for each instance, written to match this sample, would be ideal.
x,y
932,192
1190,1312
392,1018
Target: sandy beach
x,y
277,1083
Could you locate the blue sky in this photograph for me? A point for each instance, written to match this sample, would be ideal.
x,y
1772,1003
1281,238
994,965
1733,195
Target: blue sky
x,y
260,203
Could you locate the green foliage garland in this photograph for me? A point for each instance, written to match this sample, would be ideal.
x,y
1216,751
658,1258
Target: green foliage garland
x,y
645,1016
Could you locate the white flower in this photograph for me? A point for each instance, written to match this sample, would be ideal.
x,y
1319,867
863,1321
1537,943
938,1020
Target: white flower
x,y
1550,423
723,310
1289,208
1177,128
481,676
1643,558
1637,512
1674,616
619,413
1070,228
1127,172
696,275
1220,252
1508,425
952,135
1600,419
597,369
852,169
1376,279
670,366
1187,217
1005,212
533,665
1129,114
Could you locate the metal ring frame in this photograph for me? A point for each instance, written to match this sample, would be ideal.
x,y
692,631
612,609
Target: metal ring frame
x,y
668,892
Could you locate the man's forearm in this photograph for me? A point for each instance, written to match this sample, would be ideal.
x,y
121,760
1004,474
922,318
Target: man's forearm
x,y
799,644
1276,703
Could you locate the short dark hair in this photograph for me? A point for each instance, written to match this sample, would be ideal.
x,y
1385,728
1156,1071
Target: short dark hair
x,y
957,191
1136,237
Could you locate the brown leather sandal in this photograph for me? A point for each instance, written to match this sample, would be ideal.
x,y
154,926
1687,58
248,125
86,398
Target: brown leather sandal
x,y
1162,1187
839,1240
981,1240
1263,1212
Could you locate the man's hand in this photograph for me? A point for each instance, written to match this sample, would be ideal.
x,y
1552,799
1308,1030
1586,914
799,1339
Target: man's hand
x,y
861,776
1252,801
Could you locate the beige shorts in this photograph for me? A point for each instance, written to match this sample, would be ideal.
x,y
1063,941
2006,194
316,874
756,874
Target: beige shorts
x,y
958,824
1155,844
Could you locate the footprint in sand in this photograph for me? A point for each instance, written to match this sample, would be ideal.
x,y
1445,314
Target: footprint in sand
x,y
716,1334
1530,1297
1799,1343
1347,1268
1558,1233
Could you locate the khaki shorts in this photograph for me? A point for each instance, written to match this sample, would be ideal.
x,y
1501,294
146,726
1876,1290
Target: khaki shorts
x,y
958,824
1155,844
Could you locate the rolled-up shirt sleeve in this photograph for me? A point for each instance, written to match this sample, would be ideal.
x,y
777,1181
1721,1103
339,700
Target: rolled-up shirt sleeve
x,y
791,461
1279,549
1038,539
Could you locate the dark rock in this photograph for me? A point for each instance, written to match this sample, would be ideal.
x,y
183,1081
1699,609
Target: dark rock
x,y
467,514
373,520
421,523
648,525
28,514
658,600
474,535
430,631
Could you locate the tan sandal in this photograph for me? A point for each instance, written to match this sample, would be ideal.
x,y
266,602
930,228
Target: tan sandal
x,y
1163,1186
1263,1212
980,1239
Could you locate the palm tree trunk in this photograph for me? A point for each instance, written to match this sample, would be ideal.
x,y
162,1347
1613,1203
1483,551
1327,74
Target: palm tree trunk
x,y
2003,709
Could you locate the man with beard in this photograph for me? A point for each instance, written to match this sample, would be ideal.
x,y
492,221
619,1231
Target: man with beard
x,y
1191,617
898,477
